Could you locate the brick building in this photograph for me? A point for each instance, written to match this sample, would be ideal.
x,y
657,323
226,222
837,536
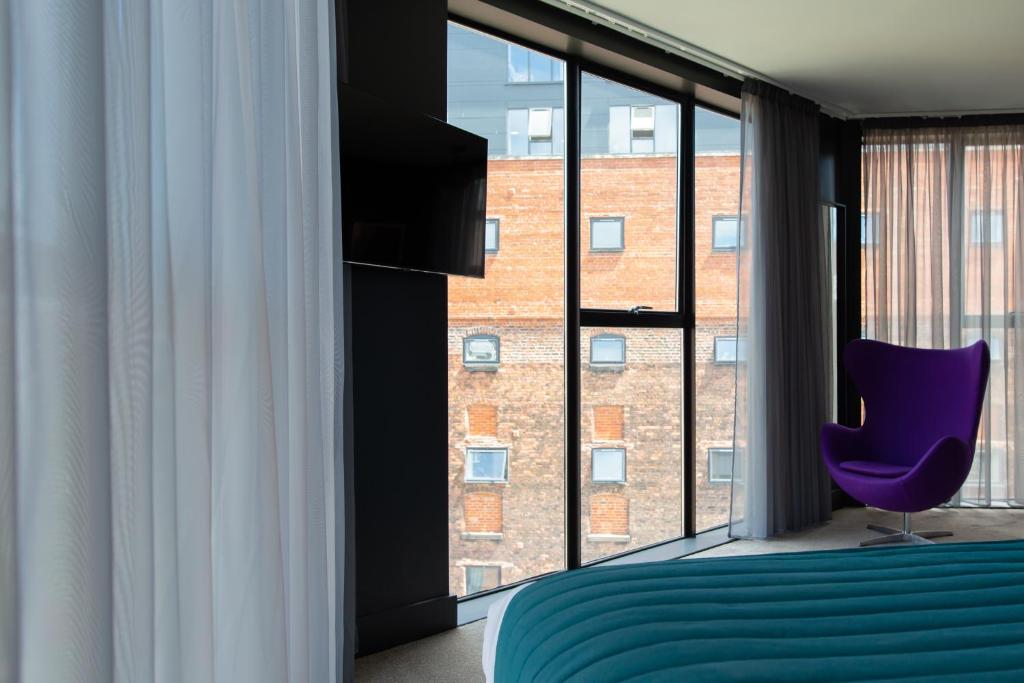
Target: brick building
x,y
506,340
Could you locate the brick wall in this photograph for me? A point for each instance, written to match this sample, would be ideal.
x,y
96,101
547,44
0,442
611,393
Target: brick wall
x,y
483,512
521,405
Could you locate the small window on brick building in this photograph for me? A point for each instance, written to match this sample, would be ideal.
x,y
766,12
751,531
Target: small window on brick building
x,y
725,231
487,464
608,465
491,229
869,228
481,352
607,234
608,350
719,465
482,578
986,227
729,350
608,423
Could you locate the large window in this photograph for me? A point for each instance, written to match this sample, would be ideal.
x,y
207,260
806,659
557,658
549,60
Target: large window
x,y
718,243
603,394
629,176
506,370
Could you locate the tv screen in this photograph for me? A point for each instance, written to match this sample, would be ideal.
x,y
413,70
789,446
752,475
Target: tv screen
x,y
412,189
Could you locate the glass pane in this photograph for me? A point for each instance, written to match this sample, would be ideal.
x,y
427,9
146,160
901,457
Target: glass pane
x,y
518,64
607,349
629,169
491,235
632,442
486,465
482,579
725,232
609,464
606,234
717,193
517,404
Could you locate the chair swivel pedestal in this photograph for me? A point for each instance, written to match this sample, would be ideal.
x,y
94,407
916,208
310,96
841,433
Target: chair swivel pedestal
x,y
915,448
904,535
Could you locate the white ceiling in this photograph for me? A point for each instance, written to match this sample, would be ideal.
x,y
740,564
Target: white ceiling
x,y
856,57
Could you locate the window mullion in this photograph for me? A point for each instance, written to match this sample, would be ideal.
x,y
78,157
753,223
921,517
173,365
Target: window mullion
x,y
573,537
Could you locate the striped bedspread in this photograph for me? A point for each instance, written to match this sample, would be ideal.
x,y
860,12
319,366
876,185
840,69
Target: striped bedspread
x,y
947,612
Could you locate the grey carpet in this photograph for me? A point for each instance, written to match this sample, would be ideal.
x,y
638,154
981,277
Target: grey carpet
x,y
455,655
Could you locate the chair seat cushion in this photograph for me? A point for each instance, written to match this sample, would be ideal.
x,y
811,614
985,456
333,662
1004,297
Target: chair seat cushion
x,y
873,468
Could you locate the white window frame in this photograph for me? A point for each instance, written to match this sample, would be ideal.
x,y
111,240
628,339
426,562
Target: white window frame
x,y
466,341
738,354
641,127
997,226
719,451
716,221
621,451
496,222
608,337
620,221
469,478
540,124
482,567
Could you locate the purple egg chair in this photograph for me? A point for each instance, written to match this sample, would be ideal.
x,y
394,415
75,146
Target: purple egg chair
x,y
915,448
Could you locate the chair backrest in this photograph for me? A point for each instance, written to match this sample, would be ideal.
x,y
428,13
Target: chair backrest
x,y
913,397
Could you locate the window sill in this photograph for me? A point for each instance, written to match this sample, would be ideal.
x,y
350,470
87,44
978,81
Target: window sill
x,y
482,367
608,538
597,367
481,536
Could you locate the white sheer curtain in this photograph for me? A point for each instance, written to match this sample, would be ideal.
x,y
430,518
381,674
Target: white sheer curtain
x,y
784,318
168,207
943,238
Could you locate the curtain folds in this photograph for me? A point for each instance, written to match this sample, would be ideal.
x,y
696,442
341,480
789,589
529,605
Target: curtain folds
x,y
942,239
168,412
784,383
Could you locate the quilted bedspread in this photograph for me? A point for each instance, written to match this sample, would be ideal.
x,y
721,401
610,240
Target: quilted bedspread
x,y
946,612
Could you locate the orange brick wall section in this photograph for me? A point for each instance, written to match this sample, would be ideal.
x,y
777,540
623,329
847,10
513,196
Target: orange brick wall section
x,y
483,512
483,420
609,514
608,423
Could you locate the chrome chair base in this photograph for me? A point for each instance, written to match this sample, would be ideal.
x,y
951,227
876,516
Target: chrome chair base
x,y
904,535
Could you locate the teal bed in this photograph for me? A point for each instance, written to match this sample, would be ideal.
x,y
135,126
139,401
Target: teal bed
x,y
948,612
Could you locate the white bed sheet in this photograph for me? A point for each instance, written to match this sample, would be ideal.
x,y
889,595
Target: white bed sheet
x,y
495,613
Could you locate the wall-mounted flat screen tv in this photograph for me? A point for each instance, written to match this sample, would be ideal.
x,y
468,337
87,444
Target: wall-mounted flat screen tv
x,y
413,189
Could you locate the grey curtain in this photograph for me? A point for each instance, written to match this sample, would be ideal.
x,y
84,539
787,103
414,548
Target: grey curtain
x,y
784,378
942,238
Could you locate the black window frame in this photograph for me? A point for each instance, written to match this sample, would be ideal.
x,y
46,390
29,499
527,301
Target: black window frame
x,y
577,318
593,456
622,234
